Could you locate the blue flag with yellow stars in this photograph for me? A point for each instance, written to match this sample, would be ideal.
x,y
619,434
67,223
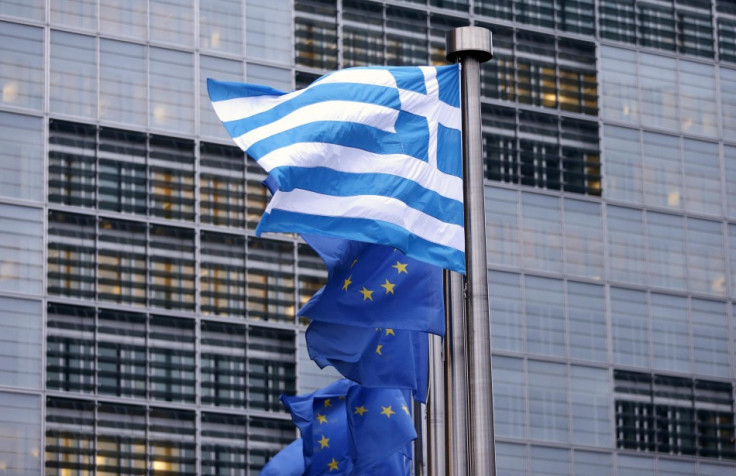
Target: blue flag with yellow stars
x,y
372,285
373,357
347,429
380,424
287,462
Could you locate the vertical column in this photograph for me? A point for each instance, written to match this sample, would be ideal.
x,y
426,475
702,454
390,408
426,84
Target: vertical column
x,y
471,46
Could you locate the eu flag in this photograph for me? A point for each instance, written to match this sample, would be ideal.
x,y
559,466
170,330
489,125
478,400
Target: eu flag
x,y
287,462
352,430
369,154
371,285
373,357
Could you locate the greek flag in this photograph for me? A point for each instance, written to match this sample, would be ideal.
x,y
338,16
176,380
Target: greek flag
x,y
369,154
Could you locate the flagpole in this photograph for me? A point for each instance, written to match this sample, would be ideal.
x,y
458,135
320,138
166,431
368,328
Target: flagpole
x,y
470,46
456,379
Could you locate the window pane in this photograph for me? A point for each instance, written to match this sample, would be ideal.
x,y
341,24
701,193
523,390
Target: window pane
x,y
21,254
172,83
20,433
587,322
21,160
599,464
171,268
626,246
698,112
710,338
70,435
729,156
590,392
502,226
617,20
125,17
223,274
222,185
623,164
728,101
630,324
171,444
706,261
123,82
278,78
72,160
224,440
619,90
406,37
658,91
702,177
223,365
271,369
172,21
71,257
662,170
21,65
76,13
121,262
666,251
315,29
73,74
171,360
548,410
121,354
220,26
20,343
268,30
550,461
70,348
545,316
506,310
509,397
511,458
541,233
171,178
270,280
670,333
583,239
222,70
122,175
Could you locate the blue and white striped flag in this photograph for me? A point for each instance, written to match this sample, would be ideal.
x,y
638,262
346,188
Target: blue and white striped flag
x,y
369,154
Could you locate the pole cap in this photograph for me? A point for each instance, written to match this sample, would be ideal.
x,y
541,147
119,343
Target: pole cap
x,y
474,41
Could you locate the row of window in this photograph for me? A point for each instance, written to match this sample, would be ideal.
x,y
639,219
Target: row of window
x,y
224,25
674,415
106,438
144,356
119,81
142,174
647,248
541,150
541,70
142,264
574,320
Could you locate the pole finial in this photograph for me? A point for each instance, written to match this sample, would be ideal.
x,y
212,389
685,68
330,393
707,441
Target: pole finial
x,y
469,40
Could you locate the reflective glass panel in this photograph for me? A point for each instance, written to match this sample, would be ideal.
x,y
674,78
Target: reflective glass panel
x,y
21,159
73,74
20,343
21,254
21,65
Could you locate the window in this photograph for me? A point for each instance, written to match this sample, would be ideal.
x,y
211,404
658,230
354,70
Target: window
x,y
122,171
20,419
20,343
223,274
21,65
170,90
220,26
121,354
73,74
223,364
315,33
70,348
121,262
22,159
222,185
406,37
171,178
171,444
71,255
72,163
674,415
362,33
271,368
172,21
171,367
21,251
224,444
69,436
171,268
270,280
268,29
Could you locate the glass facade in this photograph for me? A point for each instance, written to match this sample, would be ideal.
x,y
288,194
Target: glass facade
x,y
146,330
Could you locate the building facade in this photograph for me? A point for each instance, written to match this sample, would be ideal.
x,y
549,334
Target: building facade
x,y
144,329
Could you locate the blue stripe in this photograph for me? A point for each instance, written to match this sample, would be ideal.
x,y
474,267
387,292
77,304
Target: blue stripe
x,y
344,184
223,90
364,93
364,229
448,78
449,151
409,78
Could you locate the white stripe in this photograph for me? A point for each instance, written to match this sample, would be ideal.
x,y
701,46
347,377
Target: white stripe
x,y
431,108
380,117
376,77
349,159
430,81
372,207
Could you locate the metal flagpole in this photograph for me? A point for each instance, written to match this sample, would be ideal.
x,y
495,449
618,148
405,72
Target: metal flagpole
x,y
470,46
456,379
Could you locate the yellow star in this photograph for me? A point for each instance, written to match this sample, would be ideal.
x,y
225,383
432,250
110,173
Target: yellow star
x,y
321,418
388,286
347,283
390,332
378,349
333,465
367,293
324,442
360,410
387,411
403,407
328,403
400,267
354,261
